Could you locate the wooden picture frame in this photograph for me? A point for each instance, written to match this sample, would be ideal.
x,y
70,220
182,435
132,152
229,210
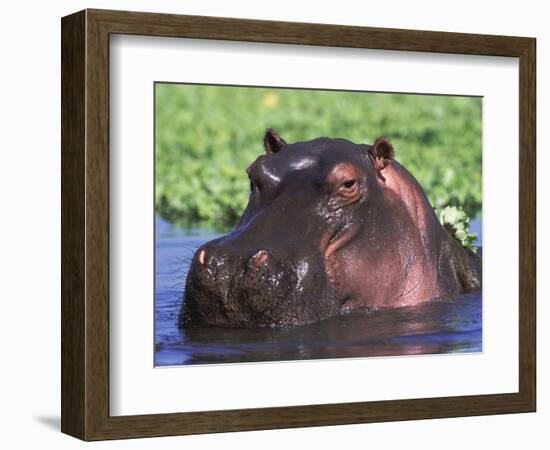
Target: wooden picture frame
x,y
85,224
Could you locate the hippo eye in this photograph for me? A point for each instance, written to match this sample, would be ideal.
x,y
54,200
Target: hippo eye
x,y
348,188
349,184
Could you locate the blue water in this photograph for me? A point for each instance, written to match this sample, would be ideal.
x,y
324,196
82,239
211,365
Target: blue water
x,y
440,326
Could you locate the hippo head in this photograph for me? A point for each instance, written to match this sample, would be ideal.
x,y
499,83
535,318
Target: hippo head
x,y
307,201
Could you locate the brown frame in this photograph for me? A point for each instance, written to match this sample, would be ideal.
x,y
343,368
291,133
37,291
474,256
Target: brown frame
x,y
85,224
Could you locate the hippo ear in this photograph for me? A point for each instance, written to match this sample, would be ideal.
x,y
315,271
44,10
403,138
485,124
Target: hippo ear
x,y
381,153
272,141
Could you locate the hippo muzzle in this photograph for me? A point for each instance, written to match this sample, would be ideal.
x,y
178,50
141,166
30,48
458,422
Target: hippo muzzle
x,y
249,289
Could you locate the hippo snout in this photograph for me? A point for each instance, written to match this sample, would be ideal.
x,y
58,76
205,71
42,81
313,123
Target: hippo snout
x,y
224,289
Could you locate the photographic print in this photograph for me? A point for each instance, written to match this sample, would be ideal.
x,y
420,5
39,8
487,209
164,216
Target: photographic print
x,y
328,222
299,224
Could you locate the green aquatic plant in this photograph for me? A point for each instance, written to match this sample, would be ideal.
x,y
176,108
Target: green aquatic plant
x,y
455,220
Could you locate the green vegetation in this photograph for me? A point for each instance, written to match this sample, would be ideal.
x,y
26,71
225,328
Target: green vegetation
x,y
458,223
207,135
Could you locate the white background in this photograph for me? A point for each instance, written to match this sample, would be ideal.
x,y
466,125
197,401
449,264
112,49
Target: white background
x,y
136,387
30,230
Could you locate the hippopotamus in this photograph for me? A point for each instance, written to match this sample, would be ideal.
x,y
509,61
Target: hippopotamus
x,y
331,227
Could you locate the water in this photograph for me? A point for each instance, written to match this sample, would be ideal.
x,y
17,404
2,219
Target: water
x,y
440,326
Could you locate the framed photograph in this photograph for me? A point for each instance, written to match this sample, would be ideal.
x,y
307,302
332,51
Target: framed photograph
x,y
272,224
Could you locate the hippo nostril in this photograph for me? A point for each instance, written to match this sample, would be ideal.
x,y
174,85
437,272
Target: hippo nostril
x,y
259,258
202,255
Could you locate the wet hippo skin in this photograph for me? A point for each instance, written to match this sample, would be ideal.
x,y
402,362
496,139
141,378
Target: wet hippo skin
x,y
330,227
